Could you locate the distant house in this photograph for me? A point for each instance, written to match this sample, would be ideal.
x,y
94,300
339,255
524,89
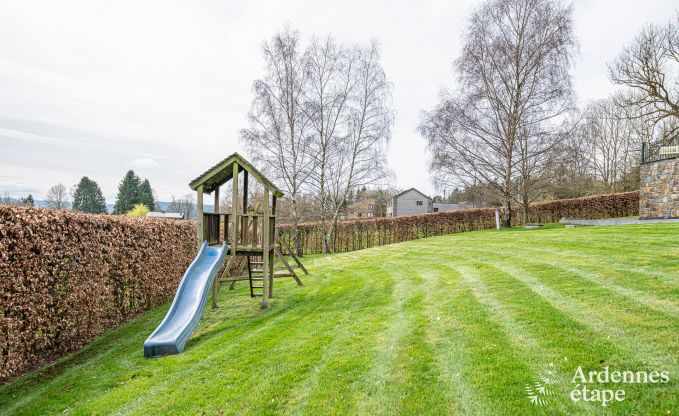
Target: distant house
x,y
174,215
369,207
409,202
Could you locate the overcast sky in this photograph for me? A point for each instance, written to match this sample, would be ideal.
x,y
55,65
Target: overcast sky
x,y
97,88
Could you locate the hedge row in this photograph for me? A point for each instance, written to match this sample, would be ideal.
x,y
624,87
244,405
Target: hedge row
x,y
67,277
356,235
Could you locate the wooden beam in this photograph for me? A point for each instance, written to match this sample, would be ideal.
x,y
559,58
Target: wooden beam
x,y
234,210
220,167
216,284
271,273
199,215
245,192
287,266
265,250
292,254
238,273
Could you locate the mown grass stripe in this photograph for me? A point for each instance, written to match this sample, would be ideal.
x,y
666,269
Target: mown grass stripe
x,y
659,329
642,297
449,344
589,316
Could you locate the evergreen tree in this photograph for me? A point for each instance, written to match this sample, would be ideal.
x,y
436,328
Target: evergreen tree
x,y
28,201
88,197
146,194
128,193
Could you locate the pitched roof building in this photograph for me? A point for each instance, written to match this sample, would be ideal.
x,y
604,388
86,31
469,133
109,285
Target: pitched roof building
x,y
409,202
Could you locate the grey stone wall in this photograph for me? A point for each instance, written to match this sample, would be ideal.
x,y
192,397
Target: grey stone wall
x,y
659,193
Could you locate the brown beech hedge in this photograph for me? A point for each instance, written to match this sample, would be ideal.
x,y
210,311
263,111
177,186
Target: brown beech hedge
x,y
67,277
356,235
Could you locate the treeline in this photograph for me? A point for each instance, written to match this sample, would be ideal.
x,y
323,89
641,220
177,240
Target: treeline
x,y
87,196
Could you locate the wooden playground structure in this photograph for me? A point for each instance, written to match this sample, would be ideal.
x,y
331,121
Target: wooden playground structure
x,y
250,232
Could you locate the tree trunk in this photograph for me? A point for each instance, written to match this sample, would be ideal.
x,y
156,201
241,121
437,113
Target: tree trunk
x,y
295,226
507,194
507,211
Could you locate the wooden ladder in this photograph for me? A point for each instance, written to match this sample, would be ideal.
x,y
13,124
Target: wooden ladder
x,y
256,278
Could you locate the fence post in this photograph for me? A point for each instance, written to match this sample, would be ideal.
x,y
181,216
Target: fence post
x,y
497,218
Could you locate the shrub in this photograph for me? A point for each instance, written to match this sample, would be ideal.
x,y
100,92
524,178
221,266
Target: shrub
x,y
138,211
67,277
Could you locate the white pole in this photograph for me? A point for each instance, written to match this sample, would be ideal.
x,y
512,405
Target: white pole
x,y
497,218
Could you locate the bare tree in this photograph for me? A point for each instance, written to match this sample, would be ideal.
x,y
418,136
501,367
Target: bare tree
x,y
57,197
612,142
360,157
570,167
349,109
184,205
650,68
514,76
329,70
534,158
7,199
278,134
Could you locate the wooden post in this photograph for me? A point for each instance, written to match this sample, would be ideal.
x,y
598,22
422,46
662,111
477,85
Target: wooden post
x,y
271,264
272,242
266,275
234,210
245,192
199,215
215,284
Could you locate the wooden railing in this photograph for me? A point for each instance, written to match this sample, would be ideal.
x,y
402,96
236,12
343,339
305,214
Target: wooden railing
x,y
212,227
217,228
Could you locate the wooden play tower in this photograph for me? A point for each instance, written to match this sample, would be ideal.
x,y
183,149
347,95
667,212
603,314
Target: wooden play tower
x,y
250,234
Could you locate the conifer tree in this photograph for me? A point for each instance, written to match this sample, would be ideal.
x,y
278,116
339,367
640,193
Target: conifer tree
x,y
146,194
128,193
88,197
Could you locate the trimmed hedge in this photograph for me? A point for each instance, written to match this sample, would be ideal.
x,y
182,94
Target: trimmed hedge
x,y
360,234
67,277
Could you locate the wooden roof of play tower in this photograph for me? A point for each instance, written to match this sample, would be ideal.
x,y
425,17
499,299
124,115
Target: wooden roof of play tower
x,y
222,172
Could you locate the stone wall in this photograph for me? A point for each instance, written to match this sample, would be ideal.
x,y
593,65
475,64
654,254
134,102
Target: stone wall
x,y
659,193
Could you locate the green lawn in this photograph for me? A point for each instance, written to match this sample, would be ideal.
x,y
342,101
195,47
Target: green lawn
x,y
456,324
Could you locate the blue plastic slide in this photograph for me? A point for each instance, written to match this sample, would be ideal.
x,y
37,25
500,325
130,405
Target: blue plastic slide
x,y
181,320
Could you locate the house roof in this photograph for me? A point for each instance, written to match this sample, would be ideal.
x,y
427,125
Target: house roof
x,y
222,172
408,190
